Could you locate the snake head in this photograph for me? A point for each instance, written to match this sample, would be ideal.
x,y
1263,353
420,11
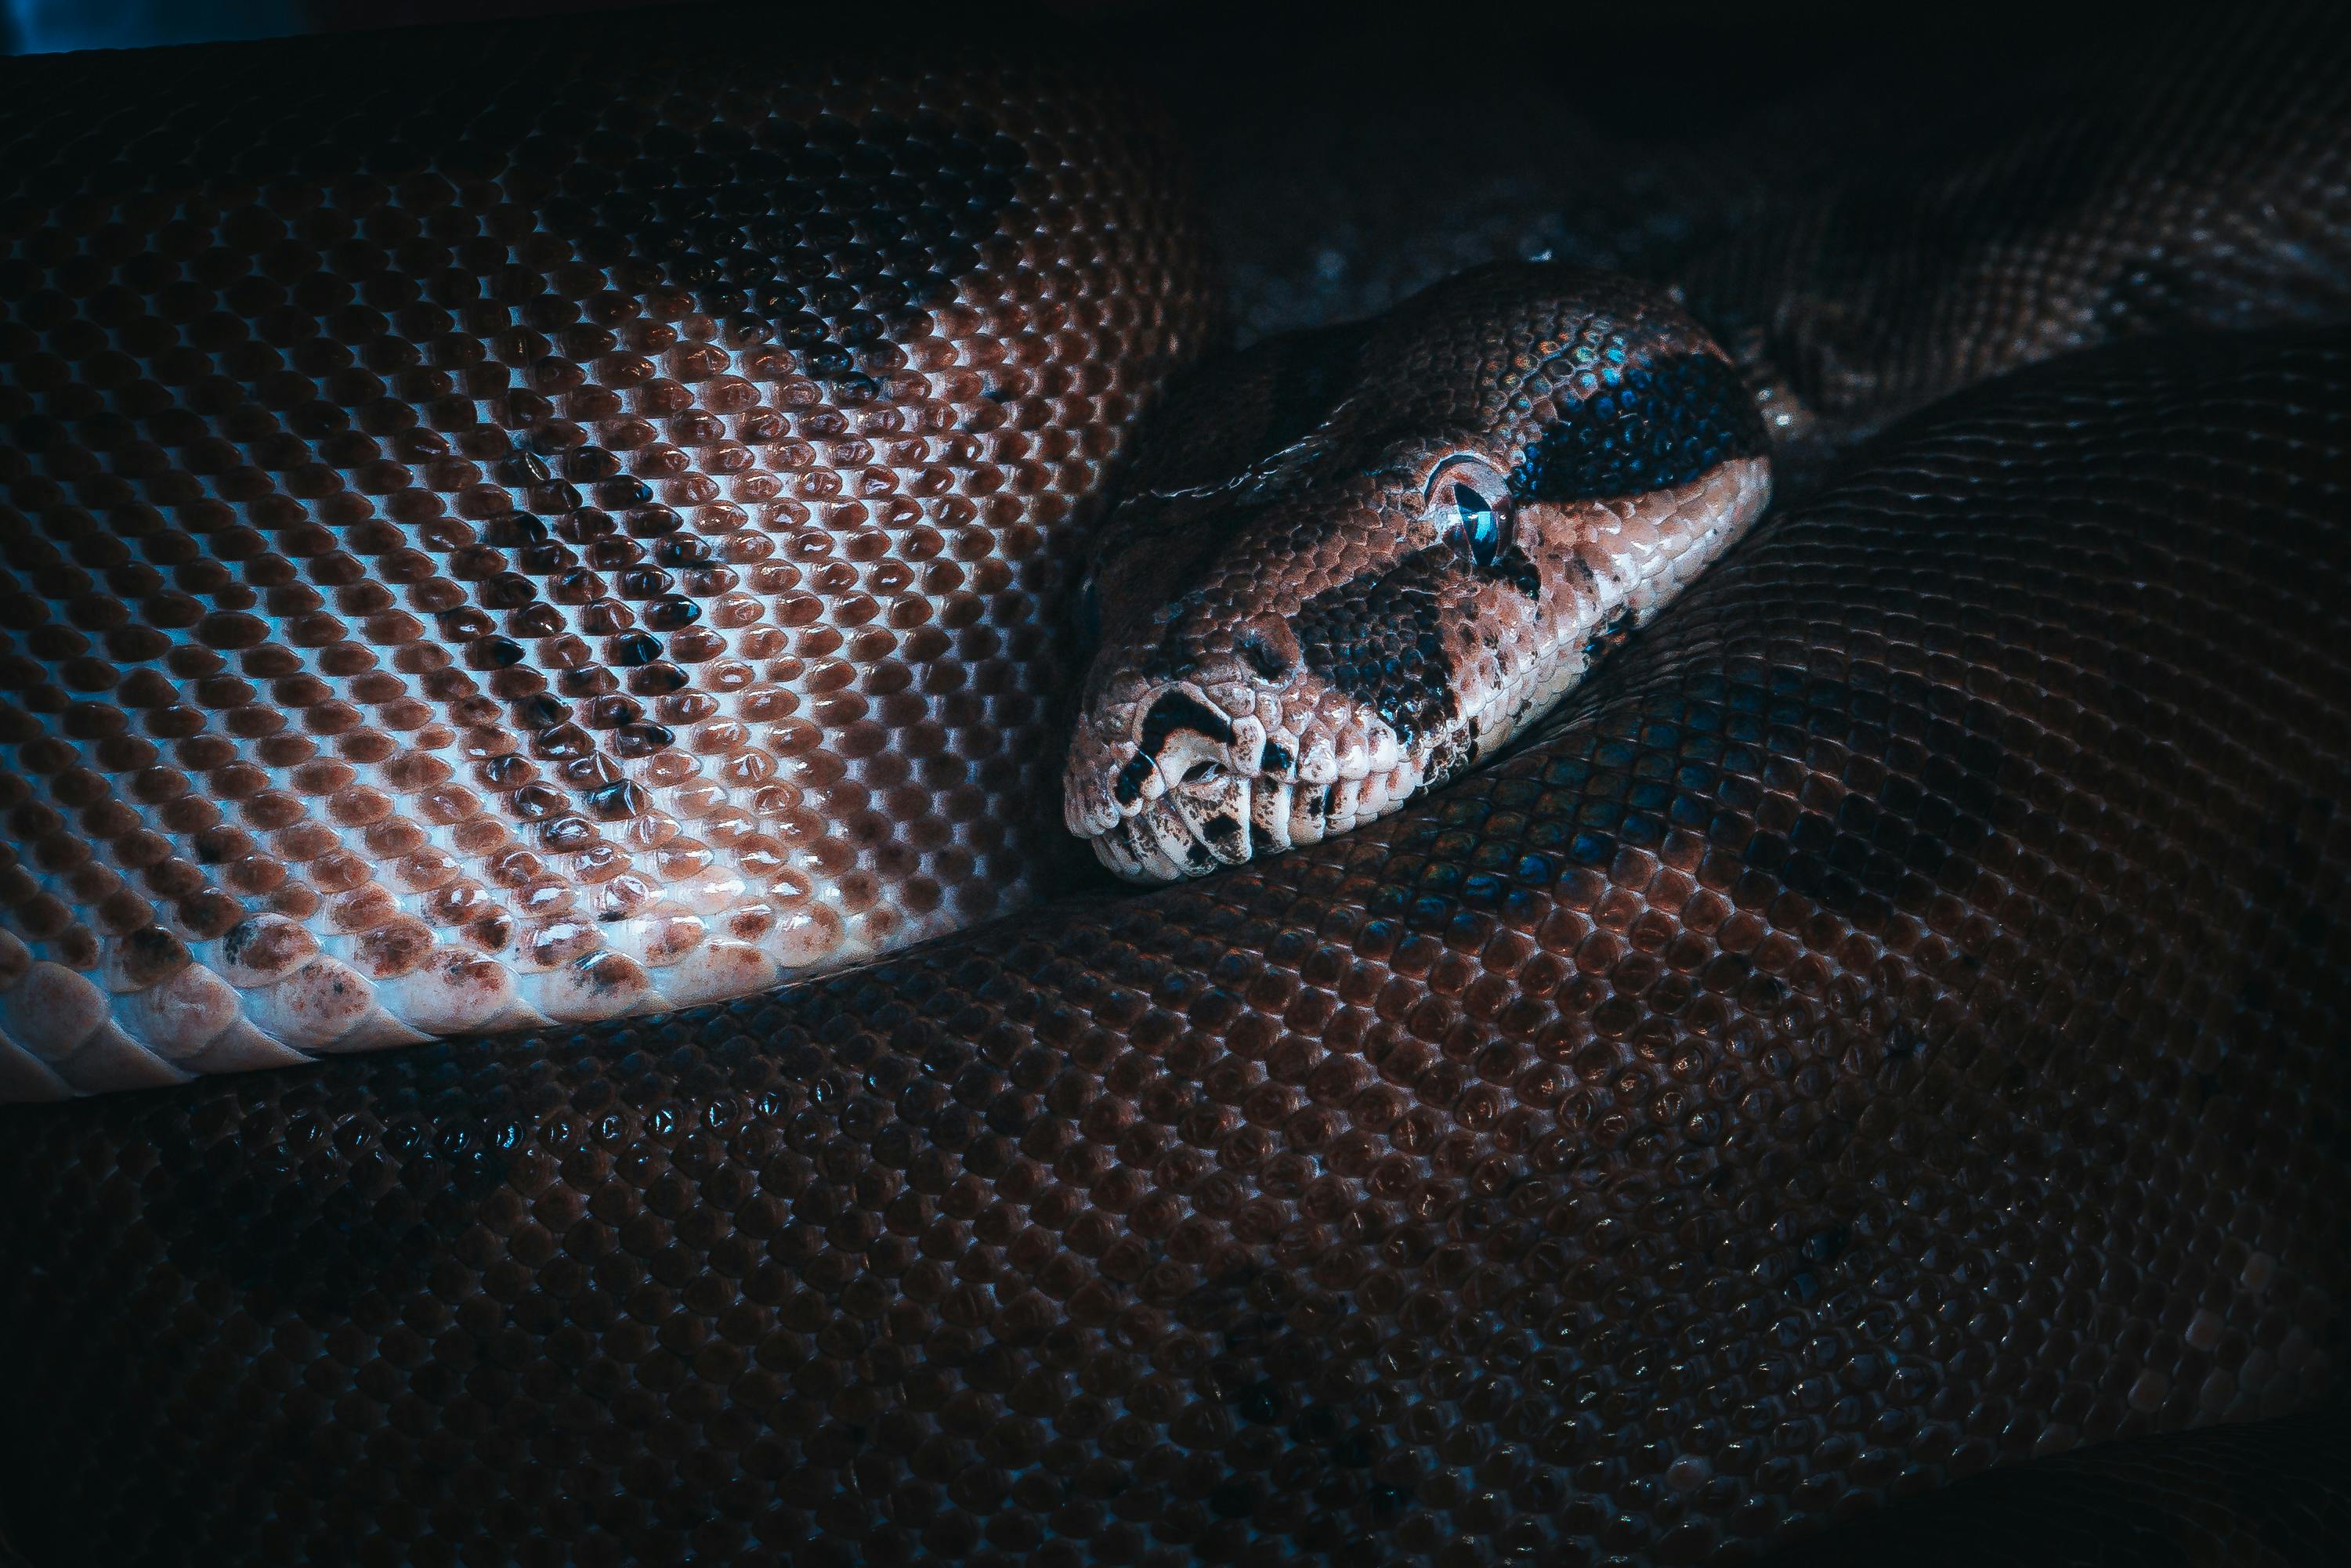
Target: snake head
x,y
1349,564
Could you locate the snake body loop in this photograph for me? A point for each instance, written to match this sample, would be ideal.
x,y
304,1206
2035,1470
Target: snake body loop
x,y
555,534
607,499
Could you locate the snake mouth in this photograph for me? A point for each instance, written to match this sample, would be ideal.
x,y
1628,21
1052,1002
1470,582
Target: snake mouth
x,y
1172,782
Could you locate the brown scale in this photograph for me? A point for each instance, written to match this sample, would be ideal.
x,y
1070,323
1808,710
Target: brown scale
x,y
558,521
2190,178
1888,1030
1296,632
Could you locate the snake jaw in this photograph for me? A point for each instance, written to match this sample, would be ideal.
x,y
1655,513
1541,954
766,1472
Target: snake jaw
x,y
1266,773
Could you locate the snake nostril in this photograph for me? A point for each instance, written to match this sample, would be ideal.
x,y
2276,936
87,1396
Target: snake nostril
x,y
1258,651
1204,772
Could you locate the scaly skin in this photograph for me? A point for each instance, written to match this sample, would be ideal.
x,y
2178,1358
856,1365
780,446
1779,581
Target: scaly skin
x,y
1303,628
547,522
1891,1027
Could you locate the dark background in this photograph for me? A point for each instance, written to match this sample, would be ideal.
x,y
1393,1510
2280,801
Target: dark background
x,y
1721,50
1350,155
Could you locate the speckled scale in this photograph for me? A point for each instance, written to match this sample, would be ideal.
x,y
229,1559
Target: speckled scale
x,y
1886,1031
1382,644
1645,428
538,523
2115,208
1289,572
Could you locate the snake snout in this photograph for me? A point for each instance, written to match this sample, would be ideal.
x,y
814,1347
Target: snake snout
x,y
1183,743
1162,783
1178,779
1267,647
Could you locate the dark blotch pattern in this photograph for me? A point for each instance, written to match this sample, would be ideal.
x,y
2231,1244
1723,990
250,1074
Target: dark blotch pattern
x,y
1170,713
1176,711
1513,566
1381,642
1649,427
1935,811
458,489
1544,1173
829,237
2072,218
1261,656
1610,637
1924,801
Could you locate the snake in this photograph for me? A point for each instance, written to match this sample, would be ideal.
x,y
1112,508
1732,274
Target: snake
x,y
549,568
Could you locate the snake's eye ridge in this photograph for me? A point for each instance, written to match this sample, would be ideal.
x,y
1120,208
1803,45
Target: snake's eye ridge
x,y
1483,530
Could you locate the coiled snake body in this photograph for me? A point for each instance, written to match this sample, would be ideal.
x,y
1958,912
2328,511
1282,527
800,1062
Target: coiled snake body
x,y
535,528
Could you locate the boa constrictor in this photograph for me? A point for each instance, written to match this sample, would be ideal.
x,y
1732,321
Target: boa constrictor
x,y
535,528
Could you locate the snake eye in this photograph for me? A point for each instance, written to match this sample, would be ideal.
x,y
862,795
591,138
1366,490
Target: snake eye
x,y
1469,505
1478,527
